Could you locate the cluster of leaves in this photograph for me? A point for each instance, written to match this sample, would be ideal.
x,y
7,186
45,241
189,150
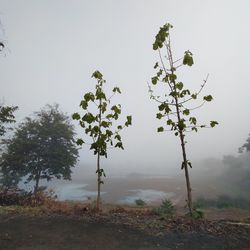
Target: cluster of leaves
x,y
6,116
175,102
99,126
15,196
160,38
166,209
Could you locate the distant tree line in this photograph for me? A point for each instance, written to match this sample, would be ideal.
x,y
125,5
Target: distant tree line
x,y
237,171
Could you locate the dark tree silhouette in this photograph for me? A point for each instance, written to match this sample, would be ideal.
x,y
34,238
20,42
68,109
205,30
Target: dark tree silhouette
x,y
42,148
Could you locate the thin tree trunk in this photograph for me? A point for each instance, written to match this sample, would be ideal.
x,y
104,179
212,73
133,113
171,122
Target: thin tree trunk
x,y
189,190
37,182
98,183
181,135
184,156
98,201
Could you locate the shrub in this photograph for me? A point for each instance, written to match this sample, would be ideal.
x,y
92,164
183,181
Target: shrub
x,y
140,202
197,213
15,196
166,209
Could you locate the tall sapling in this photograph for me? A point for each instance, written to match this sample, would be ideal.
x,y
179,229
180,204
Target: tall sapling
x,y
100,125
174,105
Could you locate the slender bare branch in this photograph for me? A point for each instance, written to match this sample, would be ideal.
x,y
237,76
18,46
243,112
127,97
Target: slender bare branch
x,y
201,88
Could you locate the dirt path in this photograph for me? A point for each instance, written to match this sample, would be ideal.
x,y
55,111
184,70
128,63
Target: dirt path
x,y
61,232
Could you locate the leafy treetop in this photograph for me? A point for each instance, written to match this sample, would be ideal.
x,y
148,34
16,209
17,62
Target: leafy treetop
x,y
99,126
178,96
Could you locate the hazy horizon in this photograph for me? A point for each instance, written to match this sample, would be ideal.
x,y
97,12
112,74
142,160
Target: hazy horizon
x,y
53,47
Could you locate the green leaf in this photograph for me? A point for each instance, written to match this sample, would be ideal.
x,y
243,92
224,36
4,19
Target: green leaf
x,y
76,116
155,46
186,112
116,89
101,172
97,74
195,129
161,107
159,115
109,133
129,121
184,92
164,107
109,116
82,124
156,65
159,73
119,127
193,120
89,118
179,85
190,164
89,97
169,122
188,58
116,109
208,98
182,165
181,124
95,130
194,96
105,124
154,80
104,107
213,123
174,94
84,104
165,79
160,129
100,94
176,133
79,142
172,77
119,145
118,137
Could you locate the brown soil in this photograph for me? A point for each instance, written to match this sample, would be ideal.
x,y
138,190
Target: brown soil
x,y
118,229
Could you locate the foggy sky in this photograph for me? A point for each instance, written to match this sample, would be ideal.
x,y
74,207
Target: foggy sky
x,y
53,47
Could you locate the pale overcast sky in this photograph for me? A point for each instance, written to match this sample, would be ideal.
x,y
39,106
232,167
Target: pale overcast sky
x,y
53,46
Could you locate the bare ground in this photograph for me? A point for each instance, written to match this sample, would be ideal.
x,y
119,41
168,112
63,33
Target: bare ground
x,y
118,230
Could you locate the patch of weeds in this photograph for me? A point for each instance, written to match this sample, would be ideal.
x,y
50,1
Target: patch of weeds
x,y
197,213
166,209
140,202
19,197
